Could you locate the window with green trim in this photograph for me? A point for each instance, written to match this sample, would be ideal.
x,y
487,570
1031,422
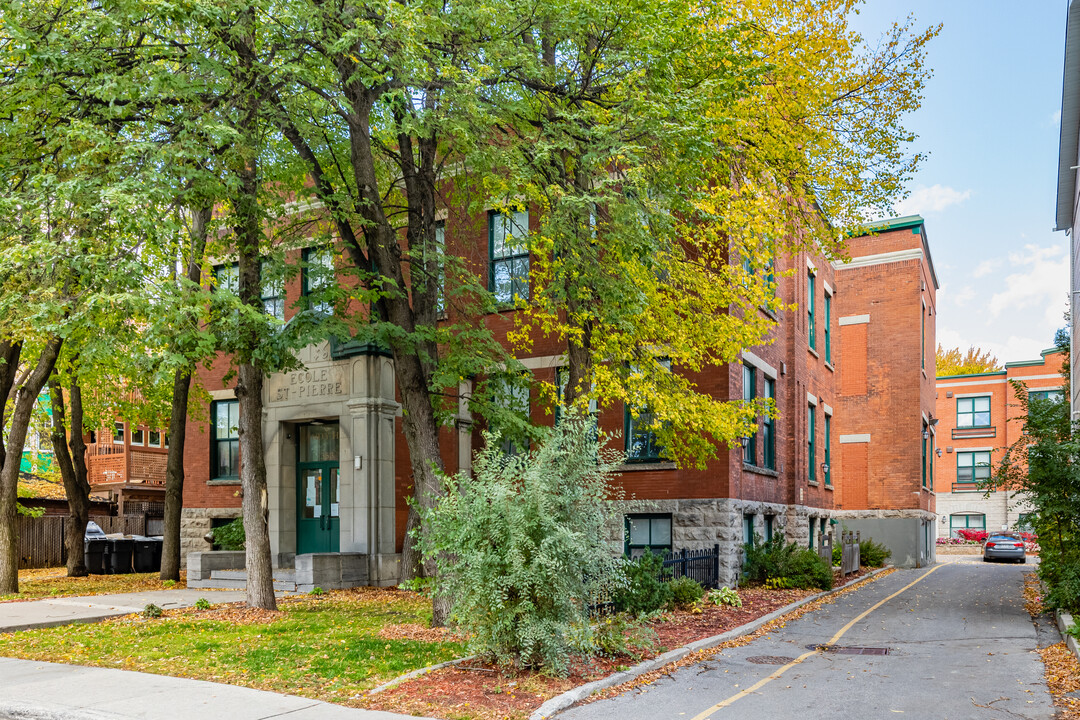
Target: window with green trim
x,y
440,243
317,276
508,247
639,429
513,394
562,377
643,531
925,442
749,379
227,278
922,337
811,411
972,468
225,439
748,529
827,327
770,521
827,470
811,328
1054,395
768,429
973,412
273,292
966,521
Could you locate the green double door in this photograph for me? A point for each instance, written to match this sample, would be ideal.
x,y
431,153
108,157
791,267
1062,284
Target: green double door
x,y
318,522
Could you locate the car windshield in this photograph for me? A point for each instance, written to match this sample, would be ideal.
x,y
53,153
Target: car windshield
x,y
1004,538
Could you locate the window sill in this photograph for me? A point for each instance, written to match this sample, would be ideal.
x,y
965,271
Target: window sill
x,y
769,313
646,466
829,486
223,481
812,483
757,469
813,351
830,366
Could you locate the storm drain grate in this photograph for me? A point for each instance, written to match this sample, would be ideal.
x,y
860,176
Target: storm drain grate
x,y
770,659
849,650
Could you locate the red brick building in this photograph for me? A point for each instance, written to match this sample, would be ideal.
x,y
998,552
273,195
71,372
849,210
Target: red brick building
x,y
844,364
980,417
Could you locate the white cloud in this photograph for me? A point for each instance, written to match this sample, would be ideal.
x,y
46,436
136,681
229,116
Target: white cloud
x,y
986,267
1055,117
966,295
931,199
1041,283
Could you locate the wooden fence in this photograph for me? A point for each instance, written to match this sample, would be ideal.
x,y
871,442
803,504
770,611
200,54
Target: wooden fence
x,y
41,539
849,553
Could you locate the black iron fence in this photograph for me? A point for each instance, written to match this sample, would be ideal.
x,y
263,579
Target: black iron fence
x,y
700,565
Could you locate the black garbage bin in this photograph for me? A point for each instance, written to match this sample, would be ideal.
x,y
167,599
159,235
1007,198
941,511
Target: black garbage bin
x,y
120,552
147,554
94,555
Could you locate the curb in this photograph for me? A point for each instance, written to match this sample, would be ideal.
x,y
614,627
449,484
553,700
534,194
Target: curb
x,y
576,695
413,674
1064,620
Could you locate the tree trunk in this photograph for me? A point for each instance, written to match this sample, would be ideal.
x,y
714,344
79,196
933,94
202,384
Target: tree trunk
x,y
69,450
260,579
174,467
9,474
174,476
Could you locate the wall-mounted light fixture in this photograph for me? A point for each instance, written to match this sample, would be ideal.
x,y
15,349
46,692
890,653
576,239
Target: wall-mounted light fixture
x,y
825,468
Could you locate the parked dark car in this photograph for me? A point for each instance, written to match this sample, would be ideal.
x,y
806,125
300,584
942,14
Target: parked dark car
x,y
1004,546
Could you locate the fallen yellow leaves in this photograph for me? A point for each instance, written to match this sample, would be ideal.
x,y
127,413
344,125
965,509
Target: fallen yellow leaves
x,y
1062,676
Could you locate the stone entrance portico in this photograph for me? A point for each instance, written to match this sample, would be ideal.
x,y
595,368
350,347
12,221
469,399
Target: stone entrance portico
x,y
351,387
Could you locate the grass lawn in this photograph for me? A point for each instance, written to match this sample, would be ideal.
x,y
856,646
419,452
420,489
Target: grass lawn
x,y
329,647
54,582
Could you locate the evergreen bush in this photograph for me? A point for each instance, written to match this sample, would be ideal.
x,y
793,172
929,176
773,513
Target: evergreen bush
x,y
639,589
798,566
685,592
873,554
520,548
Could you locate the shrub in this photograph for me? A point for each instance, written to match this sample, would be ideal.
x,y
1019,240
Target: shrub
x,y
617,634
520,548
316,591
638,589
1061,573
872,554
202,604
778,583
230,536
724,596
837,554
973,535
800,566
685,592
152,611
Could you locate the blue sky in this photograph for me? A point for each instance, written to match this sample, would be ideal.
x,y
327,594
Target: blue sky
x,y
990,122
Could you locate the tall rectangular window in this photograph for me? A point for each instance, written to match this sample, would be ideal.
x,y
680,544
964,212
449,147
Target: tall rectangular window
x,y
972,468
440,243
118,433
509,252
770,520
273,292
748,530
925,440
225,440
639,429
973,412
922,336
749,393
317,276
811,329
810,455
513,394
827,470
768,430
137,435
827,320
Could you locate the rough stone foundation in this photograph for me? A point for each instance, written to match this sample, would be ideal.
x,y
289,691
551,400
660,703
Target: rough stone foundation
x,y
194,524
700,524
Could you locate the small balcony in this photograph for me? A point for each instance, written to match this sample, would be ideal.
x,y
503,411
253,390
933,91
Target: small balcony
x,y
120,466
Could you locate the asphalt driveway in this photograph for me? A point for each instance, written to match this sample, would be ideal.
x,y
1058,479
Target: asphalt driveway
x,y
956,639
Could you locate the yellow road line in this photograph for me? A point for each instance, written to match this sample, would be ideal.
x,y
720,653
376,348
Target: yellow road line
x,y
832,641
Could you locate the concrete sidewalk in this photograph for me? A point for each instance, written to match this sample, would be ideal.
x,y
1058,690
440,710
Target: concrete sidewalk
x,y
32,690
50,612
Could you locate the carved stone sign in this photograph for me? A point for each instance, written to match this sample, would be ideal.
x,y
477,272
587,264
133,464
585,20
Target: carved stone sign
x,y
311,385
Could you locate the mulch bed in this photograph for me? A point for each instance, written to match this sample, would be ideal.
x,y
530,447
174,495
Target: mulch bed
x,y
486,692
